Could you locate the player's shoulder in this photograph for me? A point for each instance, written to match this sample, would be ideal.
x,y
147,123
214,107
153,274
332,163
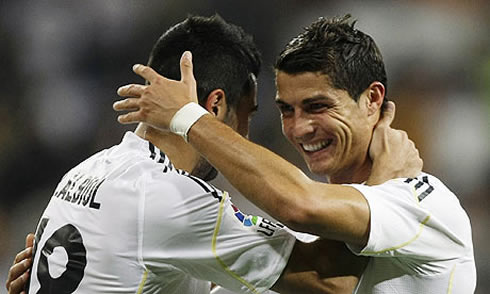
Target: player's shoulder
x,y
174,199
134,159
140,163
425,185
413,190
133,164
181,184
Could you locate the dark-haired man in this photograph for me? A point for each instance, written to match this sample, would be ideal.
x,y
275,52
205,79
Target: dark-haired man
x,y
331,89
139,218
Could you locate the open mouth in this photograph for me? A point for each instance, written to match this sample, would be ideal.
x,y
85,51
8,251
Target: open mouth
x,y
317,146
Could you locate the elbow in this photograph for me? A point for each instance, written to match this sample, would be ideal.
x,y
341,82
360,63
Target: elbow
x,y
299,206
309,215
299,216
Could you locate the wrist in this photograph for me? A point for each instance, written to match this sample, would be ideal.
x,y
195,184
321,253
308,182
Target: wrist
x,y
185,118
377,175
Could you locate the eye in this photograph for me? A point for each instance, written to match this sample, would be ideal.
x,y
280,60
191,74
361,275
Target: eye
x,y
285,109
316,107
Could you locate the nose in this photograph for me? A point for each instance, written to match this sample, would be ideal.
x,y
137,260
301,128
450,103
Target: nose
x,y
303,127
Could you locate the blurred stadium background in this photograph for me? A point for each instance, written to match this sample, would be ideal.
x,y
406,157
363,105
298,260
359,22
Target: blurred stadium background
x,y
62,61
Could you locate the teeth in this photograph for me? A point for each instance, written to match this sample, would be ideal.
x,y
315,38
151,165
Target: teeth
x,y
317,146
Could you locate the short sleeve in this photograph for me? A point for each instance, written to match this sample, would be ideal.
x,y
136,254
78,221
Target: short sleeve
x,y
193,227
401,227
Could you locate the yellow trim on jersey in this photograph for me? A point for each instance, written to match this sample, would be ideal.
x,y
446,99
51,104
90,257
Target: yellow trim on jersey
x,y
421,228
143,280
451,277
213,248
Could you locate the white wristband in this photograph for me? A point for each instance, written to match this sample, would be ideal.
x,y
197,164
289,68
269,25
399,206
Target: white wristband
x,y
185,117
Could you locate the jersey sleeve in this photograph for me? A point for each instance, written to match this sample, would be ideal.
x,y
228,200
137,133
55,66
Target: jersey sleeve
x,y
401,226
192,227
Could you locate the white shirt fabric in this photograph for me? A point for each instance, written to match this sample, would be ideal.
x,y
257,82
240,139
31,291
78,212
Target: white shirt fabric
x,y
126,221
420,239
302,237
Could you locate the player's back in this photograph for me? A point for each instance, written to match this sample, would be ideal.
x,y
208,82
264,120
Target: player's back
x,y
88,238
126,221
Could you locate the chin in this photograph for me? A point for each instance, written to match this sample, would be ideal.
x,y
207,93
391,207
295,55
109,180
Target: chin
x,y
320,169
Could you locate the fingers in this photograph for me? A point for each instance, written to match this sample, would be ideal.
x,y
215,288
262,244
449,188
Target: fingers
x,y
19,272
18,276
126,104
29,240
132,90
186,68
390,108
24,254
129,104
388,115
129,118
146,72
18,285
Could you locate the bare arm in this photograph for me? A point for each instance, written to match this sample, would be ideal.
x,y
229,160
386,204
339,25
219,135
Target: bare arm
x,y
324,266
273,184
281,189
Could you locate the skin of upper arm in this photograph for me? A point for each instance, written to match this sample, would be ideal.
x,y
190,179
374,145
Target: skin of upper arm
x,y
323,266
333,211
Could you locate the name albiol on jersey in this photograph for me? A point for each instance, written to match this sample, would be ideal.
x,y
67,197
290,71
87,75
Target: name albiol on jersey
x,y
80,189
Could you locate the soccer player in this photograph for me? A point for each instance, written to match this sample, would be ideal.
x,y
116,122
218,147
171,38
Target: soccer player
x,y
331,89
140,218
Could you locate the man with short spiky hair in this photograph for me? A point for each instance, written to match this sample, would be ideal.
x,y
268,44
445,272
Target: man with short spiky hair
x,y
349,57
331,89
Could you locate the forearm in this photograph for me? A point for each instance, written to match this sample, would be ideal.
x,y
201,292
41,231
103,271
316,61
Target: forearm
x,y
266,179
280,188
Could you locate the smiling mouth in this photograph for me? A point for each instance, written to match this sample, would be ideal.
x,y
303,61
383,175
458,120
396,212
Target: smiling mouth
x,y
317,146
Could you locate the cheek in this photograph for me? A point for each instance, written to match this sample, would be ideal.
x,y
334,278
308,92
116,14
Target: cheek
x,y
343,126
286,129
357,135
243,128
232,121
332,125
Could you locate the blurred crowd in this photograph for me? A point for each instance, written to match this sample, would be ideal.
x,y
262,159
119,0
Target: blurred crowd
x,y
62,61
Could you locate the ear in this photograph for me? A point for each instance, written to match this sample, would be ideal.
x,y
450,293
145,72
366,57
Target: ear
x,y
375,95
216,104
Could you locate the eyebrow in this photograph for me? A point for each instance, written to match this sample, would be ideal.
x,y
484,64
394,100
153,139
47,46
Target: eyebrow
x,y
308,100
279,101
316,98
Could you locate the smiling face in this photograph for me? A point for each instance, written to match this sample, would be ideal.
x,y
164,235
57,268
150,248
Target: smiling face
x,y
329,129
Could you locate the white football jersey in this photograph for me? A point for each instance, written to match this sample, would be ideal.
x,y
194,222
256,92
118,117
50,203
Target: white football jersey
x,y
302,237
420,239
126,221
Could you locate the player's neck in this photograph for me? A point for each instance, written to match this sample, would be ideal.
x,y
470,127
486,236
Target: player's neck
x,y
182,155
354,175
